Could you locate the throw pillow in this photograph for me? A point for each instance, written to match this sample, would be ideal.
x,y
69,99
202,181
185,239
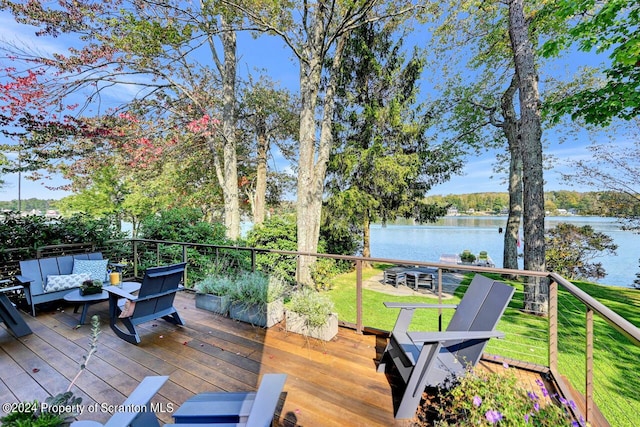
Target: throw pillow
x,y
127,310
97,269
67,281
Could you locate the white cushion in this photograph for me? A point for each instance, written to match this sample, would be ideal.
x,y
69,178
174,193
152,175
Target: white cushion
x,y
97,269
67,281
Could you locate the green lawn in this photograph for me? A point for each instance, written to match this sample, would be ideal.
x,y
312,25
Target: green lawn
x,y
616,359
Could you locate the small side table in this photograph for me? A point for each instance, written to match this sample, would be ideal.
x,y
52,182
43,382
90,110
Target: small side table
x,y
86,300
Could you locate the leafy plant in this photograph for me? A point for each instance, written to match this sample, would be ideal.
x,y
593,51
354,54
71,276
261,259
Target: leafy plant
x,y
256,288
483,398
467,256
312,305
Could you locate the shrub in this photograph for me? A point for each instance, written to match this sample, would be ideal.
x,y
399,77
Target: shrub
x,y
215,285
257,288
313,305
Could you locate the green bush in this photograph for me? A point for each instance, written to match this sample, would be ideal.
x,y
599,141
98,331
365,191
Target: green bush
x,y
187,225
215,285
256,288
313,305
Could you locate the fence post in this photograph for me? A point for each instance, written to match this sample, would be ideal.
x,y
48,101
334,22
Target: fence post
x,y
135,258
439,299
359,296
184,259
588,391
253,259
553,326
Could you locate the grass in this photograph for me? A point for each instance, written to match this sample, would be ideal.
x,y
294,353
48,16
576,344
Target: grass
x,y
616,359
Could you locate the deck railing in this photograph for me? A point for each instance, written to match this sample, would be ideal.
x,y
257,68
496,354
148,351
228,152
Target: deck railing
x,y
583,344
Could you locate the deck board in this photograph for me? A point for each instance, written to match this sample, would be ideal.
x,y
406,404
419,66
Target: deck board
x,y
328,384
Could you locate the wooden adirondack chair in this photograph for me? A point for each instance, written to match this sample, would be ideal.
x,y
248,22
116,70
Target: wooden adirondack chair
x,y
242,409
154,300
426,358
139,403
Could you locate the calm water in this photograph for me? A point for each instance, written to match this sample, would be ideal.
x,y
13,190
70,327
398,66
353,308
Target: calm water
x,y
451,235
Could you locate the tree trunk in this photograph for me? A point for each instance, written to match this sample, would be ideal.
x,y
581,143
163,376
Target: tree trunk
x,y
511,132
366,239
536,290
259,201
230,162
312,170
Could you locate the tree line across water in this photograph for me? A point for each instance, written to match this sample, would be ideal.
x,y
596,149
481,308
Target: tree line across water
x,y
592,203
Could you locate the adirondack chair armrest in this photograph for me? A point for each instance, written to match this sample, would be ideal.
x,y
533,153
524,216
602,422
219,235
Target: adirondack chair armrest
x,y
428,337
405,305
11,288
156,296
120,292
24,281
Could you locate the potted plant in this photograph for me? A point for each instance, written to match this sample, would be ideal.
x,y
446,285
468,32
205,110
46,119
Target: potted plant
x,y
258,299
467,257
311,314
212,293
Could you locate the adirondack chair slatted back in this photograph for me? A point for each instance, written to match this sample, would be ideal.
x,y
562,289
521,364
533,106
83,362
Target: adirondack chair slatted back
x,y
160,283
480,310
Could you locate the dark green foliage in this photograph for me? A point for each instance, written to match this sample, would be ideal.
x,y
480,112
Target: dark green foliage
x,y
36,231
279,232
383,162
182,225
570,248
187,225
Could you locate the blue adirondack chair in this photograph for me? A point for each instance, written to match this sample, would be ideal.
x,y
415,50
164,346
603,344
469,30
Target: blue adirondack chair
x,y
154,301
427,358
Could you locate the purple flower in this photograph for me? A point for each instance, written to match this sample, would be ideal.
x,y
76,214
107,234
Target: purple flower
x,y
505,365
563,401
536,406
540,383
572,404
526,418
532,395
477,401
493,416
575,424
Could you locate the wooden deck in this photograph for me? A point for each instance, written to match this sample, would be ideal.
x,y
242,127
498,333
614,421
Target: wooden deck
x,y
328,384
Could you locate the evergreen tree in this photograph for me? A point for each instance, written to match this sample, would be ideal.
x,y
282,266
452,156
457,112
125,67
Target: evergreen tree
x,y
382,162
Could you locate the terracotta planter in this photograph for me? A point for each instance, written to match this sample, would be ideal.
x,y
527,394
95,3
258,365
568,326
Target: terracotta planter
x,y
296,323
214,303
265,315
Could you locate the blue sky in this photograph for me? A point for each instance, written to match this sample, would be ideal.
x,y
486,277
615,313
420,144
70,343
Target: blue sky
x,y
270,54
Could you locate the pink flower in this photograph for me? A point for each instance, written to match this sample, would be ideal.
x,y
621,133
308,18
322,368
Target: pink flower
x,y
477,401
493,416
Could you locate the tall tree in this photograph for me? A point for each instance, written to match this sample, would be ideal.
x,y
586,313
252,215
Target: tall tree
x,y
156,49
382,162
270,114
531,149
316,32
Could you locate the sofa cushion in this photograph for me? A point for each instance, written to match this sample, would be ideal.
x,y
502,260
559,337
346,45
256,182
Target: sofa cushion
x,y
67,281
97,269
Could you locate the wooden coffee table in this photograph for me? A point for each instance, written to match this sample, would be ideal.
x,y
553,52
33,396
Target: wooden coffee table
x,y
86,300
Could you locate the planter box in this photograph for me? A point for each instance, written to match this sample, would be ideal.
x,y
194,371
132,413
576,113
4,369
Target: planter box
x,y
258,315
214,303
296,323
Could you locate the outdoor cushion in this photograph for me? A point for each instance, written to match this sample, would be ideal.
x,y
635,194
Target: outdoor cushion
x,y
66,281
127,309
97,269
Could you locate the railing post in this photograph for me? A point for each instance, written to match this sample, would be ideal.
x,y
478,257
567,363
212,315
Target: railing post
x,y
588,392
253,259
440,299
359,296
553,326
184,259
135,258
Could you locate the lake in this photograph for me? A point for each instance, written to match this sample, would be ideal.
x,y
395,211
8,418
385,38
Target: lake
x,y
451,235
